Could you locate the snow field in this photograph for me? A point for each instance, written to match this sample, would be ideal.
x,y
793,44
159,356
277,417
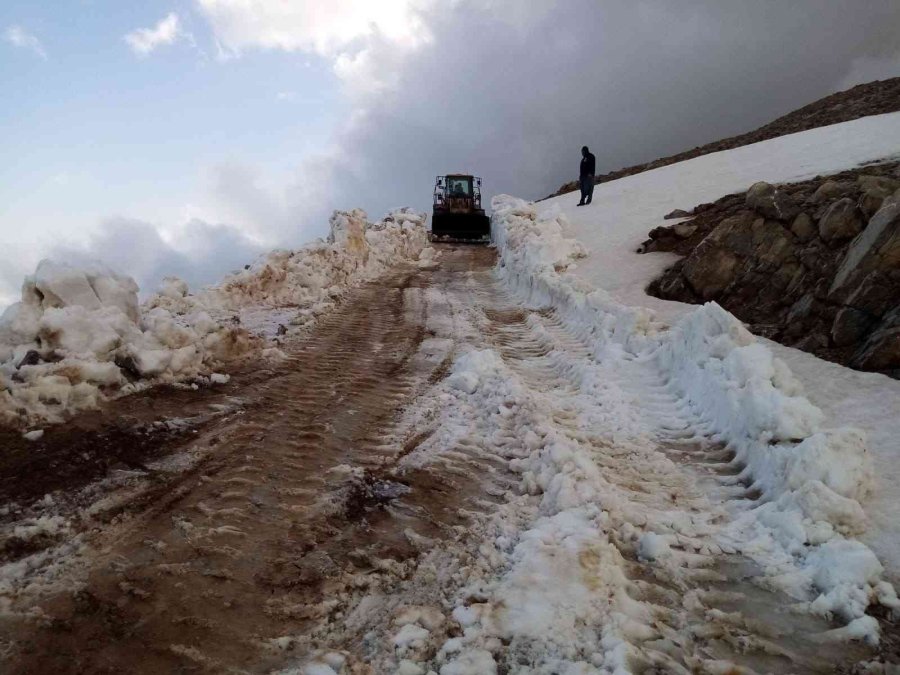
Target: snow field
x,y
727,389
79,335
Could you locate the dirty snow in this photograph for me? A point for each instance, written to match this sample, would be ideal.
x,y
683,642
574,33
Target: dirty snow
x,y
721,388
630,536
653,443
78,335
288,290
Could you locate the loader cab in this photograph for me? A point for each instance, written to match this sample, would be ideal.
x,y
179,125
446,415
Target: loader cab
x,y
459,187
457,214
457,192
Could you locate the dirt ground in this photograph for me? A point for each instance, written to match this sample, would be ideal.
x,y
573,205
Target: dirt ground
x,y
209,519
244,527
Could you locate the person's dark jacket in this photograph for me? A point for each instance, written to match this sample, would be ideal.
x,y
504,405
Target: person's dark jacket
x,y
588,165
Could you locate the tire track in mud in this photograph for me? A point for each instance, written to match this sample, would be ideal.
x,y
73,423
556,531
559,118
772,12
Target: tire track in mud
x,y
727,618
709,615
203,570
319,509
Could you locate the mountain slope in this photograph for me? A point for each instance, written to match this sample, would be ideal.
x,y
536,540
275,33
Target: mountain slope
x,y
872,98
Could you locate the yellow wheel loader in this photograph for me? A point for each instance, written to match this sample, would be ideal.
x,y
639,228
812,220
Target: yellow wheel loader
x,y
457,214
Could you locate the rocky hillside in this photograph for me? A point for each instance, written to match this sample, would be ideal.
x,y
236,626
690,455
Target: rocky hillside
x,y
814,265
873,98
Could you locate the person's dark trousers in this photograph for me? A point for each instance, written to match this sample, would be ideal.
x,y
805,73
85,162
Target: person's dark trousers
x,y
587,189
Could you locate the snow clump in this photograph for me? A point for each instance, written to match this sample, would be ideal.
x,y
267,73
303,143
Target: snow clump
x,y
79,335
310,280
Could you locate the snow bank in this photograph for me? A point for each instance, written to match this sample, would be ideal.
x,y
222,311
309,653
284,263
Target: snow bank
x,y
625,210
311,279
537,260
748,399
78,335
734,392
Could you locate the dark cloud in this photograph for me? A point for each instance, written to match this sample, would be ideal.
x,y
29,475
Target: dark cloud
x,y
511,90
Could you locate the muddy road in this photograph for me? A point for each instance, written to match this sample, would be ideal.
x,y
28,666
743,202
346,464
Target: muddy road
x,y
287,517
206,522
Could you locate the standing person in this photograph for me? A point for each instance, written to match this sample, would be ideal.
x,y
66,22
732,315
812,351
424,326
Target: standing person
x,y
586,176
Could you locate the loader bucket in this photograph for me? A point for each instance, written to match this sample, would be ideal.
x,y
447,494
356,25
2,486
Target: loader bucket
x,y
461,227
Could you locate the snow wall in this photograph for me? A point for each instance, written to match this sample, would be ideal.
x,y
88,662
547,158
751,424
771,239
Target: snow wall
x,y
78,335
734,391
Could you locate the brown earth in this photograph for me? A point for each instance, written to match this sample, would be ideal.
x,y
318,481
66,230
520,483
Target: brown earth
x,y
230,521
872,98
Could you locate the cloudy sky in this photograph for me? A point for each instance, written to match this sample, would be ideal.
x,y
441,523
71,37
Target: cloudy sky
x,y
185,137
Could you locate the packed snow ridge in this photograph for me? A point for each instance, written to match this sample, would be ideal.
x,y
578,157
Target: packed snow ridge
x,y
79,334
729,390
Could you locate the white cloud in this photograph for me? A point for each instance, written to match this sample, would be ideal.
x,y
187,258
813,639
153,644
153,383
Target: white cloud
x,y
344,31
325,28
166,32
19,37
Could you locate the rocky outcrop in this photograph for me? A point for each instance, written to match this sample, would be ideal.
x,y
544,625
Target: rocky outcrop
x,y
873,98
815,265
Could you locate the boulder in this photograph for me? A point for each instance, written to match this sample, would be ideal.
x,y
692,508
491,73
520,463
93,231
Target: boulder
x,y
785,276
770,202
830,190
709,270
842,220
814,256
878,186
678,213
869,204
850,326
875,189
877,248
735,233
800,310
675,287
803,228
772,243
662,238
